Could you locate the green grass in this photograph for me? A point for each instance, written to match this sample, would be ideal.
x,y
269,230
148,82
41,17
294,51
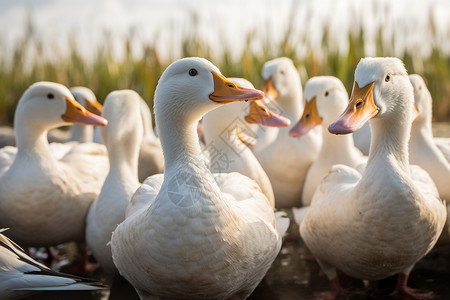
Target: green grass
x,y
104,73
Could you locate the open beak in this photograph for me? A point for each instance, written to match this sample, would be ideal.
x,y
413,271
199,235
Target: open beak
x,y
308,121
226,91
75,113
269,90
94,107
260,114
361,108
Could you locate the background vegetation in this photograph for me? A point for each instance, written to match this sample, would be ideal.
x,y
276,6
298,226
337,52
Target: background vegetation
x,y
104,72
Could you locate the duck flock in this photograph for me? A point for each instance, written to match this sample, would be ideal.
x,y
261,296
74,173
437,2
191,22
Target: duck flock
x,y
198,208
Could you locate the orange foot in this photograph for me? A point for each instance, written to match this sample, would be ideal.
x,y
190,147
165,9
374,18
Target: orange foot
x,y
402,291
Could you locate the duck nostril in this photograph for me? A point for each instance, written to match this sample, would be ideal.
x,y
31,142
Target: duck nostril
x,y
231,86
307,116
358,104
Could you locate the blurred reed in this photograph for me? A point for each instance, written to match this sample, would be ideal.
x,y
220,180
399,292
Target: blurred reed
x,y
104,72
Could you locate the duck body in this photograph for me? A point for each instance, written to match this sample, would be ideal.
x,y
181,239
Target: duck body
x,y
122,138
385,246
287,170
423,150
199,254
44,200
195,235
61,209
381,222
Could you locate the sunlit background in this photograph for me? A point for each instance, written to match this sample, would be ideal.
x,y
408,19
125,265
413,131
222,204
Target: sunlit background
x,y
114,44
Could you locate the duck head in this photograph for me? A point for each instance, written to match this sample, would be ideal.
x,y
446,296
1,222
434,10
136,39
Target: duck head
x,y
422,99
325,98
190,87
45,105
380,90
87,98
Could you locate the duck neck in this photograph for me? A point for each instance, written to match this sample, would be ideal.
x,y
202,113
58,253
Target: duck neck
x,y
390,140
123,161
82,133
179,141
31,140
421,131
290,105
185,166
344,143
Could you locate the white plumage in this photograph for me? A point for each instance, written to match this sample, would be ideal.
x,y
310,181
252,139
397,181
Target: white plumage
x,y
122,138
196,235
43,199
382,222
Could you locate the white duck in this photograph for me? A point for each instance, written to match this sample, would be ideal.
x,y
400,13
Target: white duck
x,y
84,96
382,222
20,275
197,235
122,138
44,200
286,160
326,98
422,148
225,131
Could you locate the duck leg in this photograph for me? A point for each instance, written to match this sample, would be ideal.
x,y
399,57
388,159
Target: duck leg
x,y
336,290
404,292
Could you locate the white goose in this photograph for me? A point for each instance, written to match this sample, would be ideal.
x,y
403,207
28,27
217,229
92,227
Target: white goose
x,y
286,160
326,98
382,222
44,200
225,132
84,96
20,275
122,138
422,148
196,235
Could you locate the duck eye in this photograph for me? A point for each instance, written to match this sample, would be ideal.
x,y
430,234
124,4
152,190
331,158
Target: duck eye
x,y
281,71
50,96
420,87
388,77
193,72
326,94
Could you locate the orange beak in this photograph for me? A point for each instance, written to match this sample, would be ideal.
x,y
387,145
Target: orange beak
x,y
361,108
75,113
226,91
308,121
269,90
260,114
94,107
